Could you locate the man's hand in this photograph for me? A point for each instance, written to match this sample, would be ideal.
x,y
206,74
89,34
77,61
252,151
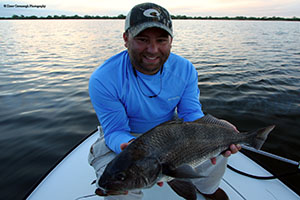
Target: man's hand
x,y
233,149
124,145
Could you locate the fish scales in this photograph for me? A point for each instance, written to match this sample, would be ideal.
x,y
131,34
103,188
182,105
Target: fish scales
x,y
187,142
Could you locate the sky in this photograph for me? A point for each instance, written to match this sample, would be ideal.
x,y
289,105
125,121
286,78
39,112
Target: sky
x,y
215,8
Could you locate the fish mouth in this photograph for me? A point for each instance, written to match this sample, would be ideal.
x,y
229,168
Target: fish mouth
x,y
103,192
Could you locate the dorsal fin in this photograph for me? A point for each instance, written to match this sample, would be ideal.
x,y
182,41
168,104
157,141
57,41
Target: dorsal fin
x,y
165,123
209,119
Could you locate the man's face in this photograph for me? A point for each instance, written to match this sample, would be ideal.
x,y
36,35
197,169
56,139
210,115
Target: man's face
x,y
149,50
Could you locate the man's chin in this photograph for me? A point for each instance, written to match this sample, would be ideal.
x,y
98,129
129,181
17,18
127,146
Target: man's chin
x,y
149,69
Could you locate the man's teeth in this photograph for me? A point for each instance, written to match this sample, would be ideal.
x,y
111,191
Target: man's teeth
x,y
150,58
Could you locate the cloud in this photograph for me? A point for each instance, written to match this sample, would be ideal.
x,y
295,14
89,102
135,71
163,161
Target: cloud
x,y
256,8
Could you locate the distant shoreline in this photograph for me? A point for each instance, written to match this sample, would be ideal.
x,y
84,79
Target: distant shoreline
x,y
121,16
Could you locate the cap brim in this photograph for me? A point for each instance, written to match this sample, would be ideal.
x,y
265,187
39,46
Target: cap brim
x,y
134,31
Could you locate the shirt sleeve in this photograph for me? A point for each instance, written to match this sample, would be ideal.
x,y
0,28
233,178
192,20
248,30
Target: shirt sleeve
x,y
189,107
110,112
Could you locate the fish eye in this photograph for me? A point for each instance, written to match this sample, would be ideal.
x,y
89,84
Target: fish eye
x,y
121,176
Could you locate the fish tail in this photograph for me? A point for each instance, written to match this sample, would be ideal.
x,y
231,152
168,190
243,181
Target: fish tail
x,y
260,136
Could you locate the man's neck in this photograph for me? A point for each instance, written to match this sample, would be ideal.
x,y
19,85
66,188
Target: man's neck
x,y
135,69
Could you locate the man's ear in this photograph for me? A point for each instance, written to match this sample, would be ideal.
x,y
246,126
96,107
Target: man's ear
x,y
125,38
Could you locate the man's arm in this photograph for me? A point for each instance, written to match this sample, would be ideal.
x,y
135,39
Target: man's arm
x,y
110,112
189,107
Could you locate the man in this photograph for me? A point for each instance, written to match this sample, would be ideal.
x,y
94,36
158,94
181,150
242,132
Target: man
x,y
140,88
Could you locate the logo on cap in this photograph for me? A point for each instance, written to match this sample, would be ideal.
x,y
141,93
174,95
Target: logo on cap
x,y
151,13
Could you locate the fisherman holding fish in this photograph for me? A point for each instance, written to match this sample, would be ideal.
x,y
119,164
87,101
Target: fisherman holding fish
x,y
142,87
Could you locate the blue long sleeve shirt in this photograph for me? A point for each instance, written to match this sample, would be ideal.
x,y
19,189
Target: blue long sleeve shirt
x,y
121,100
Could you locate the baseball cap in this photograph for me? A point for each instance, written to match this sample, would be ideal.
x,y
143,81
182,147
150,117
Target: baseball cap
x,y
148,15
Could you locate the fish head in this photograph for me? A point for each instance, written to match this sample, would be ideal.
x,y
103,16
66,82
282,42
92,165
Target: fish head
x,y
128,171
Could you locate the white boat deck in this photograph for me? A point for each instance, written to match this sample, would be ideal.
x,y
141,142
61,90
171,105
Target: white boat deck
x,y
72,179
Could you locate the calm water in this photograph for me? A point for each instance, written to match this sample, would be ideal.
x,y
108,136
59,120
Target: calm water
x,y
249,74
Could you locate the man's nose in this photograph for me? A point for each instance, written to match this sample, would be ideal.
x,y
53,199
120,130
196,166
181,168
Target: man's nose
x,y
152,47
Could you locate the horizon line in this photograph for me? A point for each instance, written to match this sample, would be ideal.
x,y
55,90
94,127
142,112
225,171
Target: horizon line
x,y
121,16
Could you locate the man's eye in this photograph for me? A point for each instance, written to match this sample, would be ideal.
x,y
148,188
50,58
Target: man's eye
x,y
142,39
162,40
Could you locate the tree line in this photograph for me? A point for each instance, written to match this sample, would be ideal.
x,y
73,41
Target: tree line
x,y
65,17
121,16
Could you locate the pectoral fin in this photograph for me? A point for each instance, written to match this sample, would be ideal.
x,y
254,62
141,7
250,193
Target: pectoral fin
x,y
185,189
183,171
